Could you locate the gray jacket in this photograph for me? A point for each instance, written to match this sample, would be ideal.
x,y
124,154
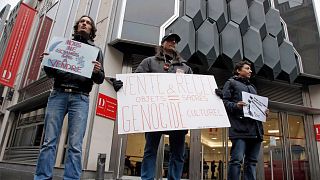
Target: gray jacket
x,y
154,64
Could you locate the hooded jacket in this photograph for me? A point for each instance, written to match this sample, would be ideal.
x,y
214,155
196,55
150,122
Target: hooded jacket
x,y
241,127
79,83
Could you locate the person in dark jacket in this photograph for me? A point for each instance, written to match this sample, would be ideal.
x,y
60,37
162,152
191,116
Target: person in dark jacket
x,y
166,60
246,134
70,96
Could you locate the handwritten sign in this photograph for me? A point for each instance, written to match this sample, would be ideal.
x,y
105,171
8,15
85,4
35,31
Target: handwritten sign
x,y
71,56
168,101
256,106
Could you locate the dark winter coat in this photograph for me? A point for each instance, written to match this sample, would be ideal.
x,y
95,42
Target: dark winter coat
x,y
241,127
79,83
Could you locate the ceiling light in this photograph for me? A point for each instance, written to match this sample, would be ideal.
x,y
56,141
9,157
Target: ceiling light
x,y
273,131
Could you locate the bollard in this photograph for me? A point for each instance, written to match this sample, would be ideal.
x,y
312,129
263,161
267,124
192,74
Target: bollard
x,y
100,166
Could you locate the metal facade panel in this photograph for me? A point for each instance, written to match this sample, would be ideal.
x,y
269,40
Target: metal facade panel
x,y
239,14
196,10
217,11
252,48
208,46
258,18
231,45
185,28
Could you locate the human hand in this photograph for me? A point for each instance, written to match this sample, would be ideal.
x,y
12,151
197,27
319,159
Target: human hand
x,y
117,84
219,93
240,104
267,112
42,56
97,66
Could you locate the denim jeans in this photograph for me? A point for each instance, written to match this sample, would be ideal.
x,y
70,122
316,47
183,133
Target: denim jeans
x,y
176,160
59,104
247,149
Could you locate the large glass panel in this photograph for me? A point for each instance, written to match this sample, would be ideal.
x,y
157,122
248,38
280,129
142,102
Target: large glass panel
x,y
134,154
273,149
214,153
166,157
299,156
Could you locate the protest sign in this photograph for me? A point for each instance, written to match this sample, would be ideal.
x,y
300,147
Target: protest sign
x,y
71,56
168,101
256,106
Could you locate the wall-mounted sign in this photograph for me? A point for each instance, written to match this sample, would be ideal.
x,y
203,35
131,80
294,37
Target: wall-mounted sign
x,y
107,107
317,131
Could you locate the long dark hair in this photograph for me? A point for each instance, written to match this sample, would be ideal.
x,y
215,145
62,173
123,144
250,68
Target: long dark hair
x,y
92,34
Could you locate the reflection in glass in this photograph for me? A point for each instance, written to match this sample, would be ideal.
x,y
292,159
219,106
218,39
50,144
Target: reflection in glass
x,y
166,157
300,162
273,149
213,162
134,154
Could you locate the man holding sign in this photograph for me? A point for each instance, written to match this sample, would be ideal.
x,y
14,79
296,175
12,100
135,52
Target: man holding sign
x,y
245,133
70,96
166,60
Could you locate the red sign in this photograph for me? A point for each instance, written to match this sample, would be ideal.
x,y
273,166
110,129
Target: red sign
x,y
107,107
31,74
317,131
17,42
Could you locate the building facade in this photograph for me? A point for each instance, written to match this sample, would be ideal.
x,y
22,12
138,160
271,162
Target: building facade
x,y
279,37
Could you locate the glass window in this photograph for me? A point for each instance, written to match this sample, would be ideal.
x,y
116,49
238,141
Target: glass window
x,y
273,149
303,31
299,156
214,153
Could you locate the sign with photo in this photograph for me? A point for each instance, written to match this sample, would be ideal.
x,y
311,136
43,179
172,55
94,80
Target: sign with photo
x,y
168,101
256,106
71,56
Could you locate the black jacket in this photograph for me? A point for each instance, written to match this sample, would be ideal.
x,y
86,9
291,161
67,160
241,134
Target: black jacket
x,y
64,79
241,127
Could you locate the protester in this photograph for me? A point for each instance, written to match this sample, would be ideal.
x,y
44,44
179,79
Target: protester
x,y
166,60
70,96
246,134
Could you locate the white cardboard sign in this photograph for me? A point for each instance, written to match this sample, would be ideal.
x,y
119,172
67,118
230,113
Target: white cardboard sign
x,y
168,101
256,106
71,56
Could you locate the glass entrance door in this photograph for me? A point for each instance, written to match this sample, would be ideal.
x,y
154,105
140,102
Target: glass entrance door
x,y
284,148
214,150
273,148
298,160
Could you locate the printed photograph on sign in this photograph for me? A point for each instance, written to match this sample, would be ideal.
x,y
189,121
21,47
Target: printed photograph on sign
x,y
165,101
71,56
256,106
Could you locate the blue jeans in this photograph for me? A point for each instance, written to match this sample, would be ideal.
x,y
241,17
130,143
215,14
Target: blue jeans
x,y
176,161
247,149
59,104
